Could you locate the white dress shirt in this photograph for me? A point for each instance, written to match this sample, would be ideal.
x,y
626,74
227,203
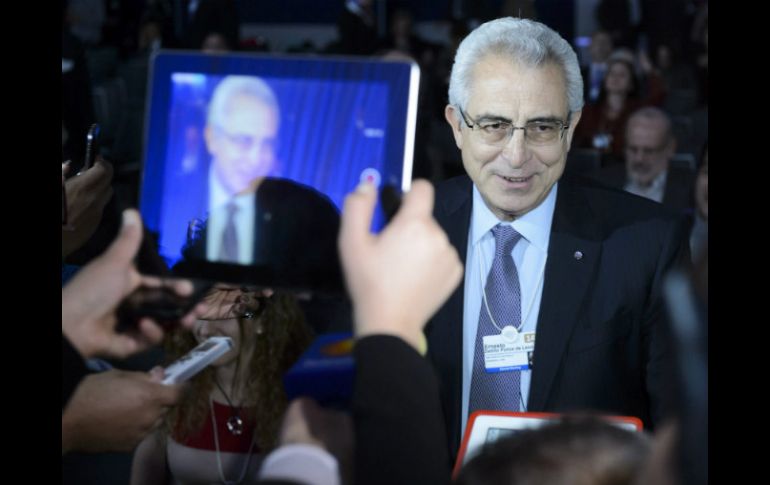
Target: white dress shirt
x,y
655,191
529,255
219,197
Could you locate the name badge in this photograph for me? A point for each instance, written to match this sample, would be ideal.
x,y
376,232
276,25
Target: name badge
x,y
508,351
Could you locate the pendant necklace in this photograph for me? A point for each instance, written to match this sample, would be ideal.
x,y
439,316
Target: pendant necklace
x,y
234,423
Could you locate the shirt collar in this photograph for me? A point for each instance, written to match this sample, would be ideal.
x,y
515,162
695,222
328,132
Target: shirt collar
x,y
220,196
654,190
534,226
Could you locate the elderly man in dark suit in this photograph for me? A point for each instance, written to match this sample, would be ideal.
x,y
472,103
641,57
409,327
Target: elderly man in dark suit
x,y
563,268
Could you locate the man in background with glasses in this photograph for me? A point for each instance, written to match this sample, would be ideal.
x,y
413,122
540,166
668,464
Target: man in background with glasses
x,y
649,172
561,270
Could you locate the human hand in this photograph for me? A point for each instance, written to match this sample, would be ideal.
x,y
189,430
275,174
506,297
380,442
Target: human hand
x,y
89,300
86,196
115,410
305,422
399,278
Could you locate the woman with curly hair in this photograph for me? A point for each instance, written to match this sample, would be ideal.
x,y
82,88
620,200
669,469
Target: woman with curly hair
x,y
230,418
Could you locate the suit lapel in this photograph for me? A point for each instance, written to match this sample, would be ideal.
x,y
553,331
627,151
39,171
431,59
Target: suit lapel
x,y
573,254
445,331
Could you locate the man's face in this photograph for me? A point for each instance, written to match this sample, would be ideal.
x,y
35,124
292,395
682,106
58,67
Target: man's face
x,y
601,46
647,150
618,78
242,144
516,177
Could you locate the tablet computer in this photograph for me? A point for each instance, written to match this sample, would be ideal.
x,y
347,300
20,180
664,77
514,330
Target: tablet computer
x,y
489,426
248,157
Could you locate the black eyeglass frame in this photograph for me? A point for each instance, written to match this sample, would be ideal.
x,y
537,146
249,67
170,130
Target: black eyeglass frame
x,y
473,124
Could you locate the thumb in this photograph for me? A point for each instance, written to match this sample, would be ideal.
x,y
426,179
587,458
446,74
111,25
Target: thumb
x,y
418,202
356,218
157,374
126,244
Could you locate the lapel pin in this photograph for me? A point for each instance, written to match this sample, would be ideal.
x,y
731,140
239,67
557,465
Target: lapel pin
x,y
578,255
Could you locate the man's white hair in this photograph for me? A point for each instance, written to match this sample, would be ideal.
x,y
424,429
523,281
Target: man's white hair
x,y
522,41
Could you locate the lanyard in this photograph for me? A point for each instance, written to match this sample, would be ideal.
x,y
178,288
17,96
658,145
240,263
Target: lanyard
x,y
482,273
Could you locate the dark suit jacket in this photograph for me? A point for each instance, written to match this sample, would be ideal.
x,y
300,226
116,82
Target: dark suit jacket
x,y
598,342
399,430
677,193
296,231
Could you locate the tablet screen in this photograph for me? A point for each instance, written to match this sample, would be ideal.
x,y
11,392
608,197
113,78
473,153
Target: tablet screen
x,y
248,158
489,426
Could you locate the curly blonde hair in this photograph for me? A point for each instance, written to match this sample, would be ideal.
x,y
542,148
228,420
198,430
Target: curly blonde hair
x,y
283,337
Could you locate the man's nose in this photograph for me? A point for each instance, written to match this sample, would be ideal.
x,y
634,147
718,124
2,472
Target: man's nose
x,y
515,149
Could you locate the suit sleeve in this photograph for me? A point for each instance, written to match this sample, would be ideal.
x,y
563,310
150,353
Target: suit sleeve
x,y
675,253
399,428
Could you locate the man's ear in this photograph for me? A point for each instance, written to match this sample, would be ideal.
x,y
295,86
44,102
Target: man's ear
x,y
452,116
573,122
670,149
208,137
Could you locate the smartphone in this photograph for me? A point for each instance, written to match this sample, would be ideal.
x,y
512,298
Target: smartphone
x,y
92,146
161,304
197,359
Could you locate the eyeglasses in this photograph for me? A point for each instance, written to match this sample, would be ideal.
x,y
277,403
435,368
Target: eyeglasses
x,y
245,142
643,152
497,132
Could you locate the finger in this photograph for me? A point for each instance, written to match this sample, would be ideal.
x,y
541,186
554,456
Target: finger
x,y
357,216
157,374
418,202
99,175
196,313
104,196
168,395
150,331
122,346
126,245
95,179
181,287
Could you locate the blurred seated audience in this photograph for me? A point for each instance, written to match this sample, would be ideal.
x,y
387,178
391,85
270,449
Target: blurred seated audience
x,y
594,72
602,124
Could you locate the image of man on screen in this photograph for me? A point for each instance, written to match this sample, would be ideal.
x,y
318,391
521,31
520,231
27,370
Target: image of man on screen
x,y
240,134
251,217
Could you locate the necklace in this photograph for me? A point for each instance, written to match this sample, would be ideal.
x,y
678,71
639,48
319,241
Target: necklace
x,y
219,459
234,423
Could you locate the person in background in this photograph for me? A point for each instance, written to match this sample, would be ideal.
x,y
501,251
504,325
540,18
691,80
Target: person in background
x,y
648,171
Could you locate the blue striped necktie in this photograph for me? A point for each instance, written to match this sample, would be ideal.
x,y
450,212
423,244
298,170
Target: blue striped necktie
x,y
229,249
500,390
